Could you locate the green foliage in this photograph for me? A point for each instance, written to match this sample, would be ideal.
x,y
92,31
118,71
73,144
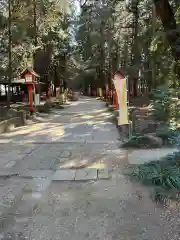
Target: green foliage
x,y
164,175
168,135
85,78
164,105
57,106
165,196
51,35
144,141
107,41
96,40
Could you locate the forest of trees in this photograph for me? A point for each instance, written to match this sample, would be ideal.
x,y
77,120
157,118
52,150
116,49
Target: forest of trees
x,y
141,37
40,37
87,46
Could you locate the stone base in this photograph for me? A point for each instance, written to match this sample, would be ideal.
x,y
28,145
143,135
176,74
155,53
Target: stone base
x,y
124,130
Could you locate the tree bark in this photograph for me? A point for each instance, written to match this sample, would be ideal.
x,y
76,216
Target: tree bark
x,y
135,52
153,60
165,12
9,54
135,83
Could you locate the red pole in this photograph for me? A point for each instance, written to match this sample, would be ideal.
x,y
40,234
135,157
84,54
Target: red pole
x,y
114,98
30,90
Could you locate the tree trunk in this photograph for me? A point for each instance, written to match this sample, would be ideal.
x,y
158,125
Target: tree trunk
x,y
153,61
109,81
164,10
135,60
135,82
102,79
9,54
55,80
126,53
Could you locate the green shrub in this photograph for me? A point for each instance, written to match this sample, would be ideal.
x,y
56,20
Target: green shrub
x,y
46,108
164,175
168,135
58,106
164,106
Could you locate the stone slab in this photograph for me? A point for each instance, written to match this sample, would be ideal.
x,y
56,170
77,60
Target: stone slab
x,y
102,142
5,172
103,174
64,175
37,185
86,174
141,156
36,173
49,141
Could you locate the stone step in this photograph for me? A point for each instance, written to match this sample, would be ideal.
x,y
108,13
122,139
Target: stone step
x,y
29,173
7,172
84,174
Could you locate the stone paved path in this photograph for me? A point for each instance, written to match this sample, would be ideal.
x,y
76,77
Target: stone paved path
x,y
62,179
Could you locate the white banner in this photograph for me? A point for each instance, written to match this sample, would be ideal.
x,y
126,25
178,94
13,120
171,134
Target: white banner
x,y
120,85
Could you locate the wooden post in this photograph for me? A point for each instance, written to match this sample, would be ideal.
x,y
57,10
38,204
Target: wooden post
x,y
106,93
111,97
30,90
117,105
89,90
153,61
100,92
114,97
